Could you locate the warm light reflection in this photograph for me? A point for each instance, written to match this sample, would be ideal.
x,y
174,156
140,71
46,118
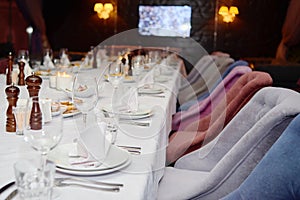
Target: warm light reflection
x,y
103,11
228,14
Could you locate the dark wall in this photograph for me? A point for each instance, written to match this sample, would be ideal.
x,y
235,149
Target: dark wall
x,y
256,32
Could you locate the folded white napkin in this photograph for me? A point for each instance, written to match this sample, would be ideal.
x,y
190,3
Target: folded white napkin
x,y
47,62
87,62
64,60
148,79
129,101
92,146
27,69
101,53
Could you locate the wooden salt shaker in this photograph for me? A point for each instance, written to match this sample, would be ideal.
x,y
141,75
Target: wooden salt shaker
x,y
12,93
9,69
33,83
21,73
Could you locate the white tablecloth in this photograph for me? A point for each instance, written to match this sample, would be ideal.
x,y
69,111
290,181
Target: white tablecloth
x,y
140,178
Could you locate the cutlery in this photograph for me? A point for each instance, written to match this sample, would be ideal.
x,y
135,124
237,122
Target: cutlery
x,y
5,187
152,95
12,194
59,183
135,123
131,149
59,180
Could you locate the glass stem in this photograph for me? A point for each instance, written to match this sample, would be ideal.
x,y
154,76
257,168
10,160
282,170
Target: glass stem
x,y
43,161
84,116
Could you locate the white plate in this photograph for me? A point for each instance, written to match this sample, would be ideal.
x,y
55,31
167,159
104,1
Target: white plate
x,y
94,173
136,116
71,114
128,79
161,79
140,114
150,90
60,156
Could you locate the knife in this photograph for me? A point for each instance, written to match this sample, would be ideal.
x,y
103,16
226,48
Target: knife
x,y
5,187
12,194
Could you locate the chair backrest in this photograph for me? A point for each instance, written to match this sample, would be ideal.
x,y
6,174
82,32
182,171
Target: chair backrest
x,y
203,79
201,131
188,104
222,165
276,176
204,107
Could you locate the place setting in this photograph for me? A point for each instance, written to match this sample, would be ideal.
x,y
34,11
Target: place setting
x,y
92,153
125,108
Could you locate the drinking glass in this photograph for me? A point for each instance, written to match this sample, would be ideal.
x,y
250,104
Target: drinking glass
x,y
23,55
138,63
45,125
85,94
115,73
20,114
32,183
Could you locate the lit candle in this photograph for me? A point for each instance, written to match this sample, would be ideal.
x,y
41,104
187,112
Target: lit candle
x,y
63,81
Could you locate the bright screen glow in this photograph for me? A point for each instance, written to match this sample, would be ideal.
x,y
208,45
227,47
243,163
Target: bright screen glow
x,y
172,21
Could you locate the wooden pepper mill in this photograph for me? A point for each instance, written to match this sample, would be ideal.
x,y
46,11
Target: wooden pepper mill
x,y
21,73
33,83
9,69
12,93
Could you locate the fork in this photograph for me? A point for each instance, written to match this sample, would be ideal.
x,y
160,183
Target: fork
x,y
110,187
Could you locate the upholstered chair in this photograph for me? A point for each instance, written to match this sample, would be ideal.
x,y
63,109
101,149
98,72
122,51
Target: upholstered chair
x,y
204,107
205,73
201,131
205,94
276,176
220,166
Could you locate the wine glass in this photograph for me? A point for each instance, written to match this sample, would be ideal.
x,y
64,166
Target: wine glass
x,y
23,55
115,73
85,94
137,66
43,125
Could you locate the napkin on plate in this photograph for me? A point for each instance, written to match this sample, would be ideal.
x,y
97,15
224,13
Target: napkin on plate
x,y
27,69
148,79
92,146
129,101
47,62
64,60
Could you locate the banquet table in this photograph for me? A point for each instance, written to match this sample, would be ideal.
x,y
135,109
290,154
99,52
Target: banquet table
x,y
141,176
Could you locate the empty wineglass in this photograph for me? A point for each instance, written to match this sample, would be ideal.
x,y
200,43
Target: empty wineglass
x,y
43,125
115,73
138,63
23,55
85,94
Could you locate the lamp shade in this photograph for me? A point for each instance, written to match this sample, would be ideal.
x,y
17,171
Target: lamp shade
x,y
98,7
233,10
108,7
223,10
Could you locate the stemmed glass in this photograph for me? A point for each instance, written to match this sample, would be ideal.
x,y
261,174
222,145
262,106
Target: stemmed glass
x,y
85,94
138,63
23,55
43,125
115,73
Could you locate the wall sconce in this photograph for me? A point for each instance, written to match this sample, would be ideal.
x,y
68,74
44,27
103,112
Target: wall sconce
x,y
103,11
228,14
